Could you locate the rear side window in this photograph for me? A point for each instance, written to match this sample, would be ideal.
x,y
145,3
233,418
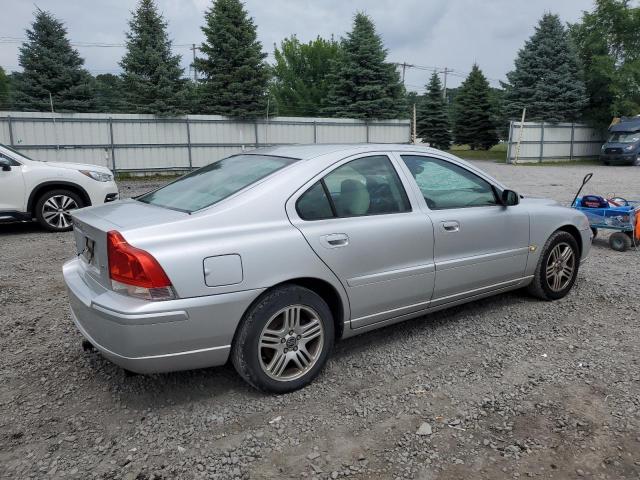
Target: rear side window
x,y
208,185
365,186
445,185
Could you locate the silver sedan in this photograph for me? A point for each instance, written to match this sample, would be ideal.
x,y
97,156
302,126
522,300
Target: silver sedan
x,y
270,256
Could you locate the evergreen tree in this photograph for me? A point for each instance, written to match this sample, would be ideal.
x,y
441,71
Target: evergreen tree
x,y
151,78
609,46
109,93
300,82
432,121
474,123
364,84
547,79
4,91
234,72
51,66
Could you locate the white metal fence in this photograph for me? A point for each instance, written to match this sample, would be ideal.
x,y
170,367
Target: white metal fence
x,y
553,141
129,142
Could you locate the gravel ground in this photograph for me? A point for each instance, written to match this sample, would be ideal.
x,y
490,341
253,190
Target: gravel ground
x,y
506,387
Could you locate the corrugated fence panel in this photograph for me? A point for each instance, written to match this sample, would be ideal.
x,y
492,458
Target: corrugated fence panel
x,y
342,133
285,132
145,142
554,141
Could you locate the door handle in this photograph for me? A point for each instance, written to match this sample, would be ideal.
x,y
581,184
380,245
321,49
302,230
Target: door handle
x,y
451,226
335,240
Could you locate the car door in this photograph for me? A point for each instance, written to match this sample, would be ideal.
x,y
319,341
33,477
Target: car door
x,y
360,221
480,244
12,188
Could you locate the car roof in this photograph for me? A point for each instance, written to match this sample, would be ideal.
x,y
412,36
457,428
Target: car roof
x,y
307,152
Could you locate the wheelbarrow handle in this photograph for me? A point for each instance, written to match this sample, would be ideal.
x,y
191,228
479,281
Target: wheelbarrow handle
x,y
585,180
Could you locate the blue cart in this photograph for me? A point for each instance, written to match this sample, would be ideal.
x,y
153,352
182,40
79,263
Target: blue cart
x,y
621,217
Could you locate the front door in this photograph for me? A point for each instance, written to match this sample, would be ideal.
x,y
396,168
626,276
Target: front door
x,y
12,189
360,222
480,244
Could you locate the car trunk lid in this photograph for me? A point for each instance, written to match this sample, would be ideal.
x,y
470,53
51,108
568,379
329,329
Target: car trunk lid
x,y
91,225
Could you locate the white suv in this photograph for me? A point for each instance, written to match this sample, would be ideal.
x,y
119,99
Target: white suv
x,y
48,191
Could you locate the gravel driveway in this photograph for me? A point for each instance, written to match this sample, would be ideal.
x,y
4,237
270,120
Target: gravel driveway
x,y
506,387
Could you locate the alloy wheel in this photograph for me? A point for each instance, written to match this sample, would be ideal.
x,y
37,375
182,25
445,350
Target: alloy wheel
x,y
56,211
291,342
560,267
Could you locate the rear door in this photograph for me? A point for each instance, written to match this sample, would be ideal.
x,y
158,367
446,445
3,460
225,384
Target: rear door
x,y
359,220
480,244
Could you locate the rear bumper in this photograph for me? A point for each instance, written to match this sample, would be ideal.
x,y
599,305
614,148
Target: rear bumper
x,y
152,337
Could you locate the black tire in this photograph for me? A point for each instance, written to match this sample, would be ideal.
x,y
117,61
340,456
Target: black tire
x,y
594,231
540,287
620,241
42,216
246,354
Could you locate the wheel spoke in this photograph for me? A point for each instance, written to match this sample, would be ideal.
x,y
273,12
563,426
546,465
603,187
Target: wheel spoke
x,y
48,215
292,317
557,281
567,254
51,204
311,331
567,272
278,364
270,339
300,360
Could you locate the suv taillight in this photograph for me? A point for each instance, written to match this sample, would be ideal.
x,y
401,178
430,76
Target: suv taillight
x,y
135,272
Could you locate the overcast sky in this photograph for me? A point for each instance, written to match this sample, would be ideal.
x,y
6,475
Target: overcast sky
x,y
427,33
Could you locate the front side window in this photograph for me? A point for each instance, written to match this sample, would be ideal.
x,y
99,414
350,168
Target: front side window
x,y
366,186
208,185
445,185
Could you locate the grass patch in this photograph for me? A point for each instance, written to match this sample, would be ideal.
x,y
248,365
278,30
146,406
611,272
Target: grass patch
x,y
497,153
586,161
154,177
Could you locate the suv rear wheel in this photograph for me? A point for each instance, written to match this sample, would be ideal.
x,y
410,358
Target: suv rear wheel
x,y
53,209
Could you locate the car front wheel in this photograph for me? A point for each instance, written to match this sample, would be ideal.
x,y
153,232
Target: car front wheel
x,y
53,209
557,267
284,339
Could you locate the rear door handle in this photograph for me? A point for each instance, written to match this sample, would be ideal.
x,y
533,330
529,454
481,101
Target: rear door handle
x,y
451,226
335,240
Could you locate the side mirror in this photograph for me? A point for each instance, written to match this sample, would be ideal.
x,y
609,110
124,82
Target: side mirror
x,y
510,198
5,164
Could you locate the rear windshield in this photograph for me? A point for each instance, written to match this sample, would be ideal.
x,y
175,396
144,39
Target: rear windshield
x,y
208,185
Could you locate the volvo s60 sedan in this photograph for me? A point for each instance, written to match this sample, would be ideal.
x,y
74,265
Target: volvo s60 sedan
x,y
270,256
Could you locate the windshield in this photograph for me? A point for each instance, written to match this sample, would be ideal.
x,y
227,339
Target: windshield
x,y
624,137
208,185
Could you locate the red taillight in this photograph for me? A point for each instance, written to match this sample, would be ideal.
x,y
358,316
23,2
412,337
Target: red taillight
x,y
133,266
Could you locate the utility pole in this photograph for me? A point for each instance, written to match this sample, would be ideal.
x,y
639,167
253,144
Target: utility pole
x,y
195,72
55,130
414,135
444,88
404,66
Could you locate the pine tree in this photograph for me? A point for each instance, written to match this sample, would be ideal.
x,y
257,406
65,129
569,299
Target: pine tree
x,y
547,79
50,66
109,93
432,121
609,46
474,123
364,84
233,67
300,83
151,78
4,90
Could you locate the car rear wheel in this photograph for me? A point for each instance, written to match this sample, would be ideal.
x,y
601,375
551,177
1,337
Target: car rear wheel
x,y
557,267
284,339
53,209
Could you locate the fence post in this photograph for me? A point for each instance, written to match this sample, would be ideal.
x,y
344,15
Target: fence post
x,y
509,141
255,132
541,141
10,130
113,149
573,131
315,132
366,124
189,144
